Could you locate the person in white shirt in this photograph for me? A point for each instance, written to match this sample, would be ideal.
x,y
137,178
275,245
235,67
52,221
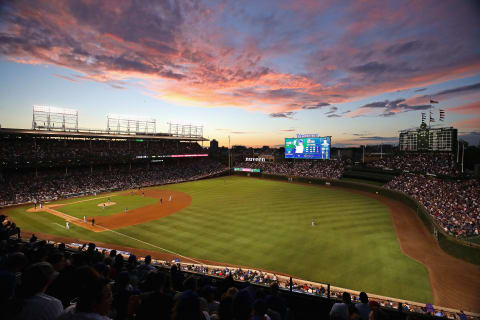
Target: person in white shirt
x,y
362,307
339,310
36,304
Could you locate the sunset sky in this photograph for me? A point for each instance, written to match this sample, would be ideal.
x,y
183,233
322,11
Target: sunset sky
x,y
257,71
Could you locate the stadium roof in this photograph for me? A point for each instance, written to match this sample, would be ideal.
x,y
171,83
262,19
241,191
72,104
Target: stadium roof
x,y
97,134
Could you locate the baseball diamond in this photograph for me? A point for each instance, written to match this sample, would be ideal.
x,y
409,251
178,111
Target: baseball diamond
x,y
360,240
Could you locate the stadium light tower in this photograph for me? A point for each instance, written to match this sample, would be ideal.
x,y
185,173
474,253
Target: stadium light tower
x,y
53,118
185,130
121,123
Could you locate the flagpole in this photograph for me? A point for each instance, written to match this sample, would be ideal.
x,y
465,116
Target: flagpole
x,y
458,150
430,114
463,153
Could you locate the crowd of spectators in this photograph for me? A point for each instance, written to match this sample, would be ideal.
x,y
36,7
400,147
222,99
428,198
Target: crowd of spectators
x,y
41,280
454,205
433,163
29,150
324,169
22,187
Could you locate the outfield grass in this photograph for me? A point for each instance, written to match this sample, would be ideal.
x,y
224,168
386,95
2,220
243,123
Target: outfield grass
x,y
267,224
90,208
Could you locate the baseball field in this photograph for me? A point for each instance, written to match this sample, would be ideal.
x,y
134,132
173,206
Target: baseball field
x,y
356,241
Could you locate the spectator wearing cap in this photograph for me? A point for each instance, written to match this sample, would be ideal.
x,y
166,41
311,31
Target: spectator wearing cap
x,y
363,307
36,304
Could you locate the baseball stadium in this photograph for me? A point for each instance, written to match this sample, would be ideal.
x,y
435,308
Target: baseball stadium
x,y
316,227
239,160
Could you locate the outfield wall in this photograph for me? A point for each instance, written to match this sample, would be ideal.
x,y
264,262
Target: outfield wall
x,y
464,250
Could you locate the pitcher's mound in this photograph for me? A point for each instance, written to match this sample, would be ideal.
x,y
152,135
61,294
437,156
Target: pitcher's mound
x,y
107,204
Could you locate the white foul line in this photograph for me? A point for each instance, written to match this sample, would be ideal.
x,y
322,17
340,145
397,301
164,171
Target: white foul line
x,y
147,243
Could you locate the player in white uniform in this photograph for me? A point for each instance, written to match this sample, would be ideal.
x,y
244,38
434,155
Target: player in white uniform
x,y
84,219
313,223
299,146
67,225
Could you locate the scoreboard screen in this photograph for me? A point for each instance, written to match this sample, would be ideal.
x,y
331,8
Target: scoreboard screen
x,y
308,148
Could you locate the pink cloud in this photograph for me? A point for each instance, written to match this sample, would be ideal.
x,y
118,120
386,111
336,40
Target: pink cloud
x,y
182,53
473,123
469,108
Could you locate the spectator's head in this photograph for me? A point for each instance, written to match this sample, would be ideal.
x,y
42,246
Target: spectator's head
x,y
94,293
231,292
242,306
363,297
57,259
346,298
132,259
148,259
91,247
190,284
187,307
37,278
113,253
16,261
119,261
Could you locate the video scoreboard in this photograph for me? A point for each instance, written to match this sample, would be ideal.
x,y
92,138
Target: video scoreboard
x,y
308,148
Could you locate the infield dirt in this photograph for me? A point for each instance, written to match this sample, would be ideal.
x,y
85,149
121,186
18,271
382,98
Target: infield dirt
x,y
162,208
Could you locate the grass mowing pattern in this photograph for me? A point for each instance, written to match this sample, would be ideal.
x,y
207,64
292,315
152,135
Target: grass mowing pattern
x,y
90,208
267,224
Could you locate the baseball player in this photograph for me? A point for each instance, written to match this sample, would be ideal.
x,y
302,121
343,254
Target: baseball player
x,y
84,219
313,223
170,198
104,205
93,222
67,225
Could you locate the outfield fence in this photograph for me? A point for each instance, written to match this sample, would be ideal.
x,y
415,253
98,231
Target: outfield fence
x,y
458,248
